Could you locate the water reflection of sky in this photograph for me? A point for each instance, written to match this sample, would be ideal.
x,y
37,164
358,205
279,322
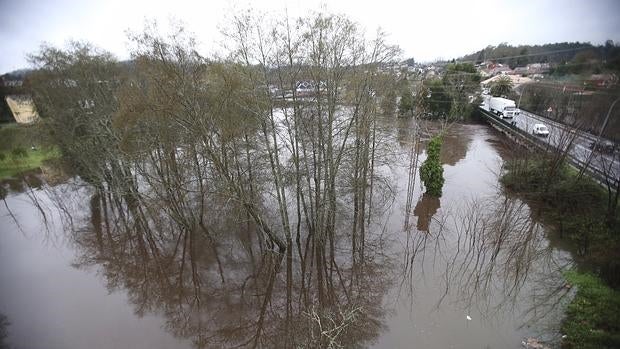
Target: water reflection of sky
x,y
455,264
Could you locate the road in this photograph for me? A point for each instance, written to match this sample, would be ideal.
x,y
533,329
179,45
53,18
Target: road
x,y
560,134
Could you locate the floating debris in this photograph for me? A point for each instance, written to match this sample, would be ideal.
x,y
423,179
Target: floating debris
x,y
533,343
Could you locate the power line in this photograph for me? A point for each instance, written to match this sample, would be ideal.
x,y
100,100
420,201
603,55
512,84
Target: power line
x,y
535,54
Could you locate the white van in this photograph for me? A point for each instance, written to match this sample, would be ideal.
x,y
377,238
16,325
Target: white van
x,y
540,130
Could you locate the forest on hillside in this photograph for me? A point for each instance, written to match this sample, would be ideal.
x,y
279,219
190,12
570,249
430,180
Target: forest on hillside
x,y
576,54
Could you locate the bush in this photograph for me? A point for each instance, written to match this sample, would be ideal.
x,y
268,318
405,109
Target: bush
x,y
533,176
2,156
19,153
577,206
431,171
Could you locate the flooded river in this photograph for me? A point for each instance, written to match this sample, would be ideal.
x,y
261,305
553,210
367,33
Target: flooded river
x,y
471,269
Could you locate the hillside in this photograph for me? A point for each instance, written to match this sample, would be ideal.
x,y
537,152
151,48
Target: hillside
x,y
572,53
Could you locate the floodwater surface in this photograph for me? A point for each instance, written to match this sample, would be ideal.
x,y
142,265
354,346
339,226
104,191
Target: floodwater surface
x,y
476,268
471,269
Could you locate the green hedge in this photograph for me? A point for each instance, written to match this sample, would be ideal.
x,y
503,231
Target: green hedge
x,y
431,171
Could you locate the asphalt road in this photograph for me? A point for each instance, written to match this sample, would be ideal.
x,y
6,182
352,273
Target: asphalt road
x,y
559,136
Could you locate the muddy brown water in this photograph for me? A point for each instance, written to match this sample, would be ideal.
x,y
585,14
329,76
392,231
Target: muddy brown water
x,y
474,253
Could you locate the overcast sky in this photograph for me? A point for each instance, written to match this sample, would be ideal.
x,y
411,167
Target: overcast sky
x,y
425,30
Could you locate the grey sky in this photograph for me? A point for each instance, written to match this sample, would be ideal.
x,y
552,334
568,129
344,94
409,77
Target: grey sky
x,y
425,30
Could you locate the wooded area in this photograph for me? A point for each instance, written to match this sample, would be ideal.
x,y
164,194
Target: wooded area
x,y
180,141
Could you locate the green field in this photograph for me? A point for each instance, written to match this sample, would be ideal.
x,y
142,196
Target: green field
x,y
11,166
593,317
22,148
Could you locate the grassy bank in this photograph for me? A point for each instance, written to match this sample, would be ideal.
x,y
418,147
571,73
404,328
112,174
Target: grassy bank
x,y
578,210
16,162
22,148
13,135
593,317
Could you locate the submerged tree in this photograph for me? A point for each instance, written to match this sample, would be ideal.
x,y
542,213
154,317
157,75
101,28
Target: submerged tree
x,y
173,140
406,104
431,171
74,89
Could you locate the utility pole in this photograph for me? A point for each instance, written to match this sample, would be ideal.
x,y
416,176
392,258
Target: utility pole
x,y
606,120
598,138
521,95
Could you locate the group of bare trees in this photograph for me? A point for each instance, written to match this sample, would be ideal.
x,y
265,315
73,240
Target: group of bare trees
x,y
173,142
574,105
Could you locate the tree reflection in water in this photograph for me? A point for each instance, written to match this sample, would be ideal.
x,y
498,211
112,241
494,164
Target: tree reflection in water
x,y
488,253
189,250
425,209
220,285
494,257
225,293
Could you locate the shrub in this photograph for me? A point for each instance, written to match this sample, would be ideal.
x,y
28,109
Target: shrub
x,y
18,153
431,171
579,208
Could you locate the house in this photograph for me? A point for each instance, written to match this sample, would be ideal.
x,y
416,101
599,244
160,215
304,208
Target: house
x,y
602,80
430,74
492,69
483,73
516,80
538,68
501,70
306,88
23,109
521,71
12,83
487,65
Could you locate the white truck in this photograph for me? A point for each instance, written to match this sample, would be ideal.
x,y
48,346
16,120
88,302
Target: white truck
x,y
503,107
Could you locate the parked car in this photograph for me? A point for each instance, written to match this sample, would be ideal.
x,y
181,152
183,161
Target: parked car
x,y
540,130
604,147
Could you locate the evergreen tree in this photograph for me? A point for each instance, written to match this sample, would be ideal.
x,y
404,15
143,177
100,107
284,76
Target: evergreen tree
x,y
431,171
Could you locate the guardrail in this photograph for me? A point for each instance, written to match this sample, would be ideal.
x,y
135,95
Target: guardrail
x,y
514,129
593,172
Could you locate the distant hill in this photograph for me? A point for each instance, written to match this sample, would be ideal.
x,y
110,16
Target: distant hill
x,y
557,53
16,74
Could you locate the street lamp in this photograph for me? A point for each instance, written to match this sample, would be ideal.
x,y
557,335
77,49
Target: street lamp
x,y
519,108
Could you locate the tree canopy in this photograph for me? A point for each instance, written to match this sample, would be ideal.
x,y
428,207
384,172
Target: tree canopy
x,y
501,86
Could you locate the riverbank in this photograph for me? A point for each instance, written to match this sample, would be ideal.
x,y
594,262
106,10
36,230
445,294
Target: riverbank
x,y
581,211
593,317
22,148
579,208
